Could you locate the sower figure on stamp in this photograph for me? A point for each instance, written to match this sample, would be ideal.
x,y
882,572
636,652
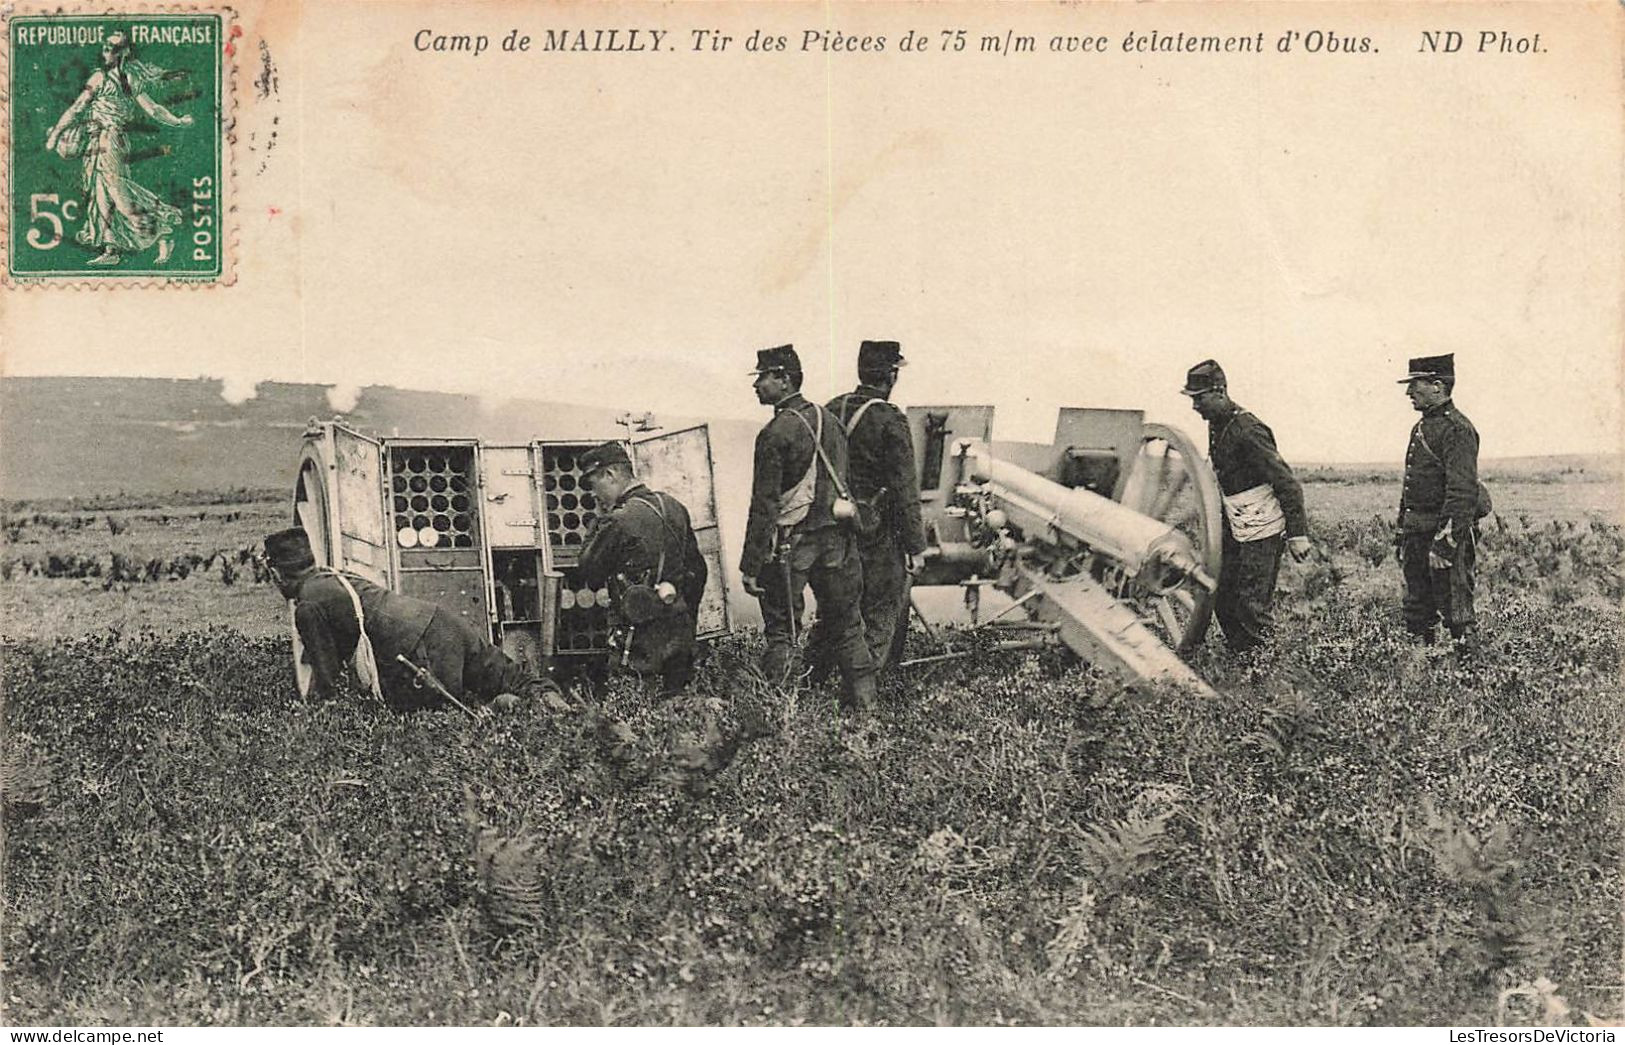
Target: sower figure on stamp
x,y
121,216
794,538
344,622
1263,508
1439,507
643,547
886,488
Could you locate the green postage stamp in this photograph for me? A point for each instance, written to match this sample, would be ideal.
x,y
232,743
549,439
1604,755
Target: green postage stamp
x,y
117,147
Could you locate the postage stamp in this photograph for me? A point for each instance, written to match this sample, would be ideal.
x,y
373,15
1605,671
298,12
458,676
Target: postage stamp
x,y
118,148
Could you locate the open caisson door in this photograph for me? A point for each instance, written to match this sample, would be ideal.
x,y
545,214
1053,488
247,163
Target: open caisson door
x,y
338,501
679,463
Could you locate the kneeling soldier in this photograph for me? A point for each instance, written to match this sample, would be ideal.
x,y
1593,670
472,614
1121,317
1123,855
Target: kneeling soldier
x,y
644,548
344,621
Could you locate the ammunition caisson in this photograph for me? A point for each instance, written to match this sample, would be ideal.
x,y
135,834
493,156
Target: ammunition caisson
x,y
489,531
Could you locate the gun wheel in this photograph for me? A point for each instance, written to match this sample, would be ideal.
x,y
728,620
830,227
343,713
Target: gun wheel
x,y
310,511
1169,480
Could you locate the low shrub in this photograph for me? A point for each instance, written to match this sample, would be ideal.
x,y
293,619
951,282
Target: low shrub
x,y
1356,832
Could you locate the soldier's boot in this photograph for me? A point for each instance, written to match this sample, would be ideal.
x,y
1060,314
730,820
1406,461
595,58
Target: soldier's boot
x,y
862,694
1424,636
777,664
675,677
818,656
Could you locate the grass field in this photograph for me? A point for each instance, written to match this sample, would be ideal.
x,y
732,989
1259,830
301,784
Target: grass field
x,y
1357,833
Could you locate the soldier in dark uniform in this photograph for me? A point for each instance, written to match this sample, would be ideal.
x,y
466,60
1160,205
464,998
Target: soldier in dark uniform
x,y
329,629
1439,507
645,550
793,537
1263,508
887,490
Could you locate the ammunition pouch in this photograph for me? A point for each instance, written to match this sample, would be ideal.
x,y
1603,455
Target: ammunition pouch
x,y
642,603
872,512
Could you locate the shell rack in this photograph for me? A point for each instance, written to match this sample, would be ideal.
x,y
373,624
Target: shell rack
x,y
568,511
436,526
432,496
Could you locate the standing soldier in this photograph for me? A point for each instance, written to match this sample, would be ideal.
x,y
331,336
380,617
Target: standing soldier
x,y
887,491
796,534
644,548
342,621
1439,507
1263,508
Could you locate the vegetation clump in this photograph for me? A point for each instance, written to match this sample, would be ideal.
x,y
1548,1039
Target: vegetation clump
x,y
1357,832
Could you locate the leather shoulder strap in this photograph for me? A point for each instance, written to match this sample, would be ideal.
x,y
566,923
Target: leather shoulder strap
x,y
818,446
852,422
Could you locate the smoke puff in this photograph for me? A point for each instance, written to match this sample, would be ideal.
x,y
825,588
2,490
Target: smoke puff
x,y
343,398
238,390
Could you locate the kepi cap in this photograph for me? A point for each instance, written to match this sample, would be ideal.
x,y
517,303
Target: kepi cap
x,y
1431,368
876,354
1203,377
604,455
782,357
289,549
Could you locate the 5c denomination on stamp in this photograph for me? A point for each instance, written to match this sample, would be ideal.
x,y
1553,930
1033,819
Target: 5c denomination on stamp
x,y
117,146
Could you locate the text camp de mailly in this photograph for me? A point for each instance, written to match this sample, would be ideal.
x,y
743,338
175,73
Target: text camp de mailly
x,y
622,40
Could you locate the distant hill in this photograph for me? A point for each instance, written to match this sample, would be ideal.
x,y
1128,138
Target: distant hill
x,y
90,437
98,436
1552,467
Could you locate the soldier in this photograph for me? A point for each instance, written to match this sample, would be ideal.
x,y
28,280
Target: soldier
x,y
794,536
1263,508
643,546
1439,506
334,612
887,490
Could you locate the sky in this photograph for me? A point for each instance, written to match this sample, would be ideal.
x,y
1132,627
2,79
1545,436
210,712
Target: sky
x,y
1038,230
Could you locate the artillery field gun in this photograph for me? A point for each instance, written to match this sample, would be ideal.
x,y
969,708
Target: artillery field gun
x,y
1108,538
492,532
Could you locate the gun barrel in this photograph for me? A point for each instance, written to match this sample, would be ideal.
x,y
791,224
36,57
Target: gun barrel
x,y
1045,510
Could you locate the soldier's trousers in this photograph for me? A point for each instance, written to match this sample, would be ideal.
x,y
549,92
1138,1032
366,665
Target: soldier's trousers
x,y
464,661
1245,600
827,561
1432,595
886,585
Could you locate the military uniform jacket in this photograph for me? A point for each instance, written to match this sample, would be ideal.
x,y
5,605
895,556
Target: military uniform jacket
x,y
881,454
784,449
1441,474
630,539
325,619
1242,451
